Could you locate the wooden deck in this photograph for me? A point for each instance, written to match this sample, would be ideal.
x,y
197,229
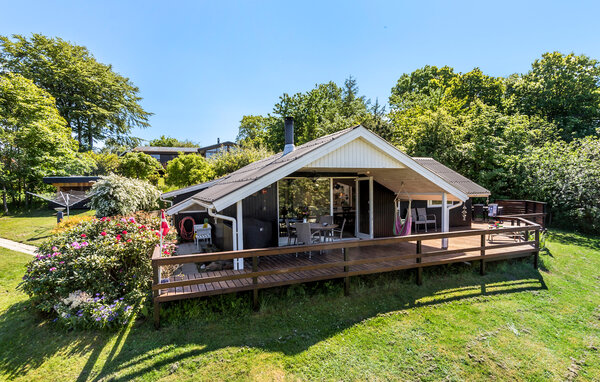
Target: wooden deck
x,y
272,267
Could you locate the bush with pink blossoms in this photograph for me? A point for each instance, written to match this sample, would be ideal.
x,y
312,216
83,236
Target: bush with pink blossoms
x,y
107,258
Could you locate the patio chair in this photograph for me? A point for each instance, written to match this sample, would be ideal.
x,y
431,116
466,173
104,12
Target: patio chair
x,y
326,220
291,235
202,234
429,218
340,231
305,237
418,220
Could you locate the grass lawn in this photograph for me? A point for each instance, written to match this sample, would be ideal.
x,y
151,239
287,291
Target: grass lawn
x,y
31,227
515,323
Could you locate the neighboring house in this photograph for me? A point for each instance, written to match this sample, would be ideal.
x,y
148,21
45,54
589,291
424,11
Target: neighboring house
x,y
166,154
76,186
363,175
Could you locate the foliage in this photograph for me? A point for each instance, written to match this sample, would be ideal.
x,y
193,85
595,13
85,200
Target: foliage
x,y
105,162
34,139
94,273
189,169
118,195
70,222
563,89
165,141
225,162
96,102
566,176
323,110
139,165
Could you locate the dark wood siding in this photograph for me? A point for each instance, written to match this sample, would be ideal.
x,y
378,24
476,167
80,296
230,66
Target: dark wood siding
x,y
260,218
383,211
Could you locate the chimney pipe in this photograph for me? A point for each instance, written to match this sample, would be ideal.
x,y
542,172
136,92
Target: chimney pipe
x,y
289,135
218,141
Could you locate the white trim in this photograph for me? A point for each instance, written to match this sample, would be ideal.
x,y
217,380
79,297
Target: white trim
x,y
356,207
331,196
238,264
431,205
363,235
371,218
445,219
334,144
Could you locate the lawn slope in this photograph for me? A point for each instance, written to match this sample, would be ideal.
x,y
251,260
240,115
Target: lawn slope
x,y
513,323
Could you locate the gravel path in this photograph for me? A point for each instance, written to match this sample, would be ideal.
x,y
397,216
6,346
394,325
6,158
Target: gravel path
x,y
19,247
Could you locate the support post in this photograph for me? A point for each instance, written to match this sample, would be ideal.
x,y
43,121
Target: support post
x,y
155,294
482,262
238,264
346,269
419,269
536,254
371,218
331,196
255,284
445,219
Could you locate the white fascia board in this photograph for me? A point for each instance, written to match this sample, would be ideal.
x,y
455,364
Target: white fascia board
x,y
301,162
179,207
285,170
411,163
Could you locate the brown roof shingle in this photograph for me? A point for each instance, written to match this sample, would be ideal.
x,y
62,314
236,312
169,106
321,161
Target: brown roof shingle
x,y
462,183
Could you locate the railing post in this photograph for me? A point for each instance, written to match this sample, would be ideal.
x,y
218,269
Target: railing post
x,y
346,269
482,262
536,254
419,269
255,284
155,294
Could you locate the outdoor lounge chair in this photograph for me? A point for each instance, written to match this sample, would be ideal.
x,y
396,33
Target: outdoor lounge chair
x,y
202,234
428,218
305,237
417,220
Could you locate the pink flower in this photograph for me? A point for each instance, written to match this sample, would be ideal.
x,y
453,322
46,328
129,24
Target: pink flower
x,y
55,249
166,252
75,245
129,240
83,235
118,237
61,262
52,269
124,232
132,220
124,220
103,233
85,244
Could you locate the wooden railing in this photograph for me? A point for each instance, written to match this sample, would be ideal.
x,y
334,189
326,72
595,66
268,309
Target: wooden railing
x,y
340,268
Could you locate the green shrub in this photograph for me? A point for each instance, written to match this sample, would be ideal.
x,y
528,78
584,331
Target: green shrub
x,y
186,170
140,166
95,274
226,162
118,195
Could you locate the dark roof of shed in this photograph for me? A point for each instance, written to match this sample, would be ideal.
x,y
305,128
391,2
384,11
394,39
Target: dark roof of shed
x,y
454,178
69,179
256,170
166,150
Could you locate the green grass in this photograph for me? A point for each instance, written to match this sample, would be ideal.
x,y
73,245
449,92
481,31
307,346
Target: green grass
x,y
515,323
31,227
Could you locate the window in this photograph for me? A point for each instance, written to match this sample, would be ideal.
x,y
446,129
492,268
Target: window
x,y
155,156
437,203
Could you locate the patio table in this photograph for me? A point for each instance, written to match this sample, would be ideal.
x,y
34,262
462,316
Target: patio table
x,y
319,227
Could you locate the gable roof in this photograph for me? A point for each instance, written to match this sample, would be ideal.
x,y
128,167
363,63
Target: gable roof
x,y
462,183
185,190
258,175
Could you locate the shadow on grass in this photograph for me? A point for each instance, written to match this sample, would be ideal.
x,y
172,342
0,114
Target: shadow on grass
x,y
562,237
287,323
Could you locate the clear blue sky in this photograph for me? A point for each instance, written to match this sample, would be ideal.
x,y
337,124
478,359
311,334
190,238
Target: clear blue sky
x,y
201,66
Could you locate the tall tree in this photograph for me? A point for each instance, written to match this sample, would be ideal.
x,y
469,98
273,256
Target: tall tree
x,y
34,139
563,88
165,141
96,102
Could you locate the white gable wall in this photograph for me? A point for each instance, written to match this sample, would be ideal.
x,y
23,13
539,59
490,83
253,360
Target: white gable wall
x,y
358,153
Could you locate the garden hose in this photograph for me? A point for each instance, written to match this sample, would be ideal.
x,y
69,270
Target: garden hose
x,y
185,234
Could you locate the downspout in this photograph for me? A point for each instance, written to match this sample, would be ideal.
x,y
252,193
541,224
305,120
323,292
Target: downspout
x,y
233,221
165,200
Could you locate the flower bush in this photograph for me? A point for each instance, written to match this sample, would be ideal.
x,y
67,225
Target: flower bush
x,y
118,195
95,274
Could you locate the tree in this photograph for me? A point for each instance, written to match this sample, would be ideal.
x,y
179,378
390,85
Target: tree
x,y
186,170
34,139
105,162
475,85
226,162
118,195
140,166
165,141
96,102
423,86
562,88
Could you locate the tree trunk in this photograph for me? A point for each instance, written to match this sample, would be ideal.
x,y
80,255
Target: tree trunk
x,y
25,195
90,139
4,205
